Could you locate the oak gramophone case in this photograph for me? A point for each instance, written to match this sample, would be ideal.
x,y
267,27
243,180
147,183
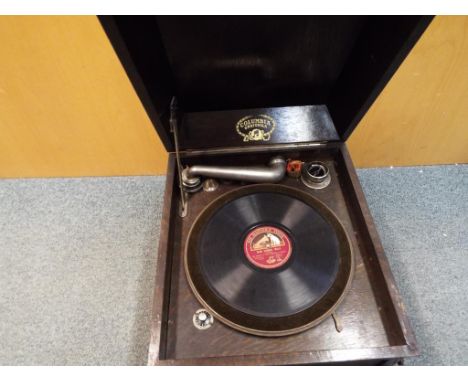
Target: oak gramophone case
x,y
268,254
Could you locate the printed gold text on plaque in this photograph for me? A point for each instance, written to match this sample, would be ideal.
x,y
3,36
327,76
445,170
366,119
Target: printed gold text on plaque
x,y
256,127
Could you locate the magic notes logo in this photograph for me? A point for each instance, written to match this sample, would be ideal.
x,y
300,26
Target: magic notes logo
x,y
256,127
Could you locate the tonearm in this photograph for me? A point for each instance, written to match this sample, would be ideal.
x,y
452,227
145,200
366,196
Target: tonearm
x,y
272,173
190,177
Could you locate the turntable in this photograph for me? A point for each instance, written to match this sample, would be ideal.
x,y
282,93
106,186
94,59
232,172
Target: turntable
x,y
268,254
268,260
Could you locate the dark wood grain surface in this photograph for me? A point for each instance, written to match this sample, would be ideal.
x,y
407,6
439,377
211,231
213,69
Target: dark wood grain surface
x,y
372,316
158,339
294,124
240,62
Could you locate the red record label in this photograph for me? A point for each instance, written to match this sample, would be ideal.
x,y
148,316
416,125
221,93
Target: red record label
x,y
267,247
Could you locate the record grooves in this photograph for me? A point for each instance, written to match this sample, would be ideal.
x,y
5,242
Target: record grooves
x,y
268,260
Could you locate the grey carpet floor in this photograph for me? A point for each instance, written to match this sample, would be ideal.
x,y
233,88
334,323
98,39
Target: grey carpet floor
x,y
77,263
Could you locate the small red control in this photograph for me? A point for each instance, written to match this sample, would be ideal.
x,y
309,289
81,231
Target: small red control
x,y
294,168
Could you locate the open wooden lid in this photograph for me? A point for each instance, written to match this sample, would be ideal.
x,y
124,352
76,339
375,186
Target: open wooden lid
x,y
239,80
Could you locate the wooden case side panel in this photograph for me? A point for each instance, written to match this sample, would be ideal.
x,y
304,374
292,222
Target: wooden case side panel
x,y
163,267
362,356
365,221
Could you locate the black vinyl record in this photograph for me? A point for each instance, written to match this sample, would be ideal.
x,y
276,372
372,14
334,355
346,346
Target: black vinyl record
x,y
268,260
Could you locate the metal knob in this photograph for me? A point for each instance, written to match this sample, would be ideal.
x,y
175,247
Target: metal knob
x,y
202,319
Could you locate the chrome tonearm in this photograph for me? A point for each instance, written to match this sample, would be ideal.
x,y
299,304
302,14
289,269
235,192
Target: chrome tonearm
x,y
273,173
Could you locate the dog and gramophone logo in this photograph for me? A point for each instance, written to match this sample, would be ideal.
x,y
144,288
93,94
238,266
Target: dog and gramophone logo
x,y
256,127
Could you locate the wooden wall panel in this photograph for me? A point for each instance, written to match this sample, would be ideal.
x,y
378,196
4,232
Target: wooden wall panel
x,y
421,117
68,109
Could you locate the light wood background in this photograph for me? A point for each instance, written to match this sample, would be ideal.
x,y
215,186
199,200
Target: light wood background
x,y
421,117
68,109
